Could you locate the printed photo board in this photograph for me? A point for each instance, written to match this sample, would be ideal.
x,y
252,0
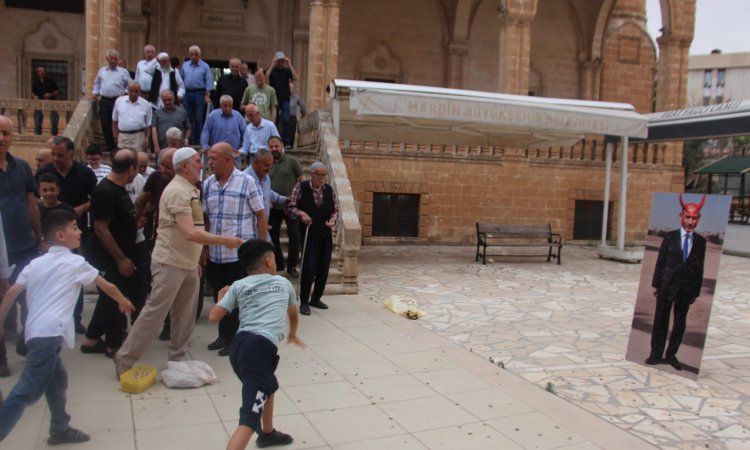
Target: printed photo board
x,y
678,280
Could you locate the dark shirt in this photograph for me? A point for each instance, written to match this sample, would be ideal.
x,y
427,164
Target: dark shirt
x,y
163,120
43,210
112,202
155,185
40,87
233,87
15,184
279,80
76,187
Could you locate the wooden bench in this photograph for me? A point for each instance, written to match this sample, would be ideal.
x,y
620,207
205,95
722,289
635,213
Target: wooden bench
x,y
512,237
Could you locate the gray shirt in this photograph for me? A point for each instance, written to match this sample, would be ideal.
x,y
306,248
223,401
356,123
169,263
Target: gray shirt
x,y
163,120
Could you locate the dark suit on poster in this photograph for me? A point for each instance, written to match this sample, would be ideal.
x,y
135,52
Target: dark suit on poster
x,y
677,285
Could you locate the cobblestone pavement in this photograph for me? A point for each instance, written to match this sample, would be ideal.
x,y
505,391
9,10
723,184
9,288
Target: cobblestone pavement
x,y
566,328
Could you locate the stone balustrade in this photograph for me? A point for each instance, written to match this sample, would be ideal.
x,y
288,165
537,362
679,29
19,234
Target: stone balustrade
x,y
21,112
586,150
316,130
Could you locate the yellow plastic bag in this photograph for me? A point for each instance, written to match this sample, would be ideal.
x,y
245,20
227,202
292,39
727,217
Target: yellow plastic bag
x,y
404,306
137,379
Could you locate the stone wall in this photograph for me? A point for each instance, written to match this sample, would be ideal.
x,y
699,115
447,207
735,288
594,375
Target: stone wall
x,y
459,189
31,34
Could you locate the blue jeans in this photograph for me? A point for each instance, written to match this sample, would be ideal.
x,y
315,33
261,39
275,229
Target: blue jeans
x,y
44,374
195,105
54,119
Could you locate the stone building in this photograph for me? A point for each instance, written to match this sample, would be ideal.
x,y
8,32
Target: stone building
x,y
576,49
717,78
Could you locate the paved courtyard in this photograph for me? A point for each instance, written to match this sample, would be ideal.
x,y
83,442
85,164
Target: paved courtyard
x,y
512,355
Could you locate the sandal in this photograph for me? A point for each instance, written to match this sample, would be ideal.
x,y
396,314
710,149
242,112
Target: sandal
x,y
71,435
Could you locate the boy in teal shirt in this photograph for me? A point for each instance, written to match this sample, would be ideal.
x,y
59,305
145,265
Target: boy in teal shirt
x,y
265,300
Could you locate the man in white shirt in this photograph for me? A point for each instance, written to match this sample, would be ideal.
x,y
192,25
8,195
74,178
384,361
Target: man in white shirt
x,y
110,83
144,70
131,119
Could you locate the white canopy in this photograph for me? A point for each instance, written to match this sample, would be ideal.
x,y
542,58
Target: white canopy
x,y
461,116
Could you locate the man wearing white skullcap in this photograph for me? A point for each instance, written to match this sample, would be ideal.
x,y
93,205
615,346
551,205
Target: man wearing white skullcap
x,y
165,79
174,265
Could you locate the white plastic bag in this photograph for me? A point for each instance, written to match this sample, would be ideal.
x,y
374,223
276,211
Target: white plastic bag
x,y
187,374
404,306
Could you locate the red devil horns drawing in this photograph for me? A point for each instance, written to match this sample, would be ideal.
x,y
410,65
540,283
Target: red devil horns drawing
x,y
692,208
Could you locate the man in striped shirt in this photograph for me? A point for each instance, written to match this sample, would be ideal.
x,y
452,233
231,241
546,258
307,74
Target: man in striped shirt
x,y
233,205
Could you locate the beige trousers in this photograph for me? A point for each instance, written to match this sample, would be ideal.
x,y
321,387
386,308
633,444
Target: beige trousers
x,y
174,291
133,141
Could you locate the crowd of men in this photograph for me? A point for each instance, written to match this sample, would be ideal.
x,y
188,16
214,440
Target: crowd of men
x,y
155,234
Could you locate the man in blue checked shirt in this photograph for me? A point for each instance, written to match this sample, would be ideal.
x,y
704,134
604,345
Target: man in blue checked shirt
x,y
262,162
196,75
233,204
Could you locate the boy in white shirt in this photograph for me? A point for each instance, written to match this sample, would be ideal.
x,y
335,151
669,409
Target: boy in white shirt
x,y
53,282
265,301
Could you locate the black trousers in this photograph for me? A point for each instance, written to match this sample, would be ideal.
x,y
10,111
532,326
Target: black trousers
x,y
107,320
292,231
315,264
663,310
220,275
106,106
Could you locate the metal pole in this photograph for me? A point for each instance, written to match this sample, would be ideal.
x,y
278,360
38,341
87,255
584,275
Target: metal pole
x,y
607,181
623,194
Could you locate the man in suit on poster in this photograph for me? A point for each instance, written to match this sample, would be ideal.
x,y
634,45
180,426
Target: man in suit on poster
x,y
677,281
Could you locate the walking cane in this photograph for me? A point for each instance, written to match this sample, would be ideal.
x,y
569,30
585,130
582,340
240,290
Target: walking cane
x,y
302,264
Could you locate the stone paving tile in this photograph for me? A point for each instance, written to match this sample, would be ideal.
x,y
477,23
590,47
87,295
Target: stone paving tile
x,y
567,327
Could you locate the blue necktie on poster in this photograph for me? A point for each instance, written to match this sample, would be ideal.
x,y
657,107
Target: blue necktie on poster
x,y
685,247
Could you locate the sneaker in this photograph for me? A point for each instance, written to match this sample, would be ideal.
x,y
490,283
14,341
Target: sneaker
x,y
304,309
225,351
80,329
275,437
71,435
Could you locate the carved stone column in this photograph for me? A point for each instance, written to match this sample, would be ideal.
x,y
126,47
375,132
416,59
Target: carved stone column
x,y
591,79
674,45
102,33
456,75
323,50
514,49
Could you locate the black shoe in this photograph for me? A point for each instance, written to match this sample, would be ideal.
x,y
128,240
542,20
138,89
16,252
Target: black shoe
x,y
80,329
653,360
304,309
292,271
318,304
275,437
21,349
99,347
219,343
165,334
672,360
224,351
4,370
71,435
